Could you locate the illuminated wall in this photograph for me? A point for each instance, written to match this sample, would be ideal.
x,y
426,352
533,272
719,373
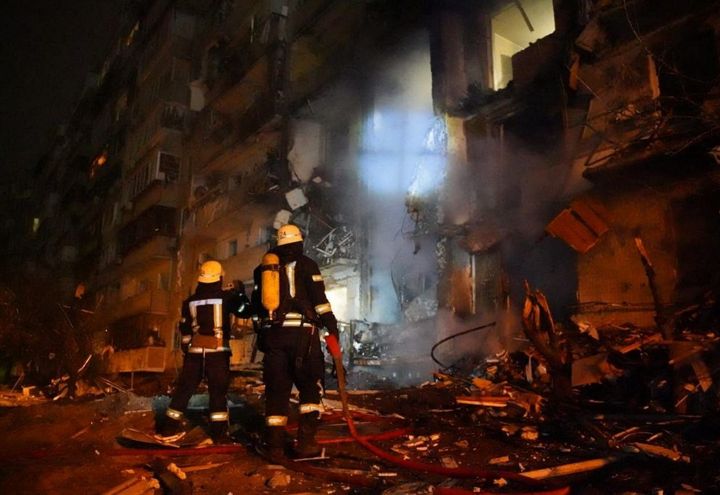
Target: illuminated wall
x,y
401,156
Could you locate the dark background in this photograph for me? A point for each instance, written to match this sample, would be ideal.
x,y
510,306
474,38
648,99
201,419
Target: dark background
x,y
47,48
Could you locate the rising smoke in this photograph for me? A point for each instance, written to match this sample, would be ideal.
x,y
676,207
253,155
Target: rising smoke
x,y
403,166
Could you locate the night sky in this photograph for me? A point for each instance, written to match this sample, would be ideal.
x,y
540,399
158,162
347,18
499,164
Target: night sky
x,y
47,47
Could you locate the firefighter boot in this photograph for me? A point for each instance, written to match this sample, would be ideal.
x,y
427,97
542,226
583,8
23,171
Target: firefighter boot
x,y
219,433
169,429
275,441
307,446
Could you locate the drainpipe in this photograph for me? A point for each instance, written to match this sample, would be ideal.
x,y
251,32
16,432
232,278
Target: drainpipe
x,y
281,83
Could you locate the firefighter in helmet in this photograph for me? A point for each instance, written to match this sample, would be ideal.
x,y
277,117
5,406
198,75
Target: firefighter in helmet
x,y
205,329
290,301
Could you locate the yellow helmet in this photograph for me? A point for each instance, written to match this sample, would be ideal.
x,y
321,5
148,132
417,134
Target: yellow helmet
x,y
287,234
210,272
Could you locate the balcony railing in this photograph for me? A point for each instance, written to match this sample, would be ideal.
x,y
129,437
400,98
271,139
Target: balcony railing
x,y
165,118
156,250
145,359
156,221
149,302
230,142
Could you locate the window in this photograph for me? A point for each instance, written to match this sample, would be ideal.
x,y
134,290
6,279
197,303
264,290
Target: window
x,y
514,27
163,281
159,166
168,167
232,248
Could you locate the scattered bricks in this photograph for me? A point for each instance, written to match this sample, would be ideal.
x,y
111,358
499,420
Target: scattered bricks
x,y
278,480
172,467
414,442
499,460
529,433
500,482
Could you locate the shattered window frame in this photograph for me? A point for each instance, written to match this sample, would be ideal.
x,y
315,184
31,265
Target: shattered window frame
x,y
520,15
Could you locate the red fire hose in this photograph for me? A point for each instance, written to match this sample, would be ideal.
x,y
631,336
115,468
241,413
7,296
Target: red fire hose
x,y
413,465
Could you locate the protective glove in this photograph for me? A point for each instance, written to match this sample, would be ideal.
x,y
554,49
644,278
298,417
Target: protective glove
x,y
333,345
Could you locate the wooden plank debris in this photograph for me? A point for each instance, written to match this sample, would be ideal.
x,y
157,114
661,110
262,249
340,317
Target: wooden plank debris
x,y
489,401
568,469
135,486
658,451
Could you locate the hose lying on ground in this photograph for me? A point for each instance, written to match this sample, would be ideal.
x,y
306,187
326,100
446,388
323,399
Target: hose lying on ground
x,y
414,465
475,329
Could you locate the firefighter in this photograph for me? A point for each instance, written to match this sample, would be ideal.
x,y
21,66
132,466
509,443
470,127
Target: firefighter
x,y
289,300
205,329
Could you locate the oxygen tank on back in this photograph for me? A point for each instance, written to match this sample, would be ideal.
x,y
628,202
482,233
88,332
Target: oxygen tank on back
x,y
270,277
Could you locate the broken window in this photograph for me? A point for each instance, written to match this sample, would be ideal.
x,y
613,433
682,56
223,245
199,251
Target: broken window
x,y
514,26
688,69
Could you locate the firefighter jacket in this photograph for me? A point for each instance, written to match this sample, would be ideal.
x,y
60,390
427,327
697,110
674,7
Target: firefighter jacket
x,y
302,292
206,317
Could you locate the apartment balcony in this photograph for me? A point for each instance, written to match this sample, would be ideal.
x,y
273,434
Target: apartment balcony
x,y
323,30
225,214
143,359
164,121
160,193
170,46
151,235
242,265
156,302
235,94
174,92
242,353
154,253
234,23
238,155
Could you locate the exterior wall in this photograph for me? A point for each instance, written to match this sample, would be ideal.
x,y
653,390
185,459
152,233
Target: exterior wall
x,y
612,127
254,103
141,236
612,275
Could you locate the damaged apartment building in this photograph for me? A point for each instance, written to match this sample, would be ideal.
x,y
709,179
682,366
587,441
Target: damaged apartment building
x,y
436,154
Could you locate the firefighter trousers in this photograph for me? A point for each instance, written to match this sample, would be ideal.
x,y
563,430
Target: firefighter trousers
x,y
281,369
215,366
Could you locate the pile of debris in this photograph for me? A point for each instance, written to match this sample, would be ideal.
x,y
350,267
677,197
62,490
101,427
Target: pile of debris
x,y
606,394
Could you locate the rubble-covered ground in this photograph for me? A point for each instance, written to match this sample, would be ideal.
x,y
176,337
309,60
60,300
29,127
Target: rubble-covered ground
x,y
579,408
455,420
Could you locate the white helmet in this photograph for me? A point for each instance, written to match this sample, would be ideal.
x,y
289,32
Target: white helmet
x,y
287,234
